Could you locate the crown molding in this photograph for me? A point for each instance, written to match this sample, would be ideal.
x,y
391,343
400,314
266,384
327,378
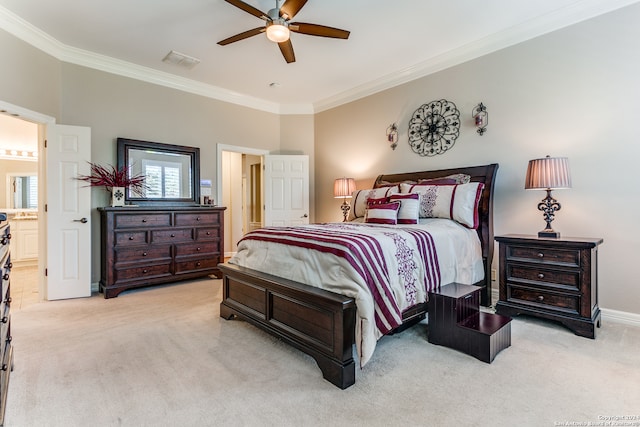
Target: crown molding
x,y
23,30
577,12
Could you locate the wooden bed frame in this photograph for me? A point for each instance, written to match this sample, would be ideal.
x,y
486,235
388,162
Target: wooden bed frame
x,y
321,323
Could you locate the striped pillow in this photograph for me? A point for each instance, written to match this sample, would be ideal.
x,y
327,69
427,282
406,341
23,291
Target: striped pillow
x,y
409,207
382,213
361,197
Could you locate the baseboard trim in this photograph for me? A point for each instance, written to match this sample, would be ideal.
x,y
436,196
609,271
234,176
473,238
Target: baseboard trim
x,y
616,316
608,315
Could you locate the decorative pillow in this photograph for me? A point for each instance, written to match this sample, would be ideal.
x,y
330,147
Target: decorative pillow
x,y
458,202
456,178
359,199
409,207
382,213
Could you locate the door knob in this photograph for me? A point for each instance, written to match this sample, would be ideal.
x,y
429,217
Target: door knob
x,y
82,220
305,216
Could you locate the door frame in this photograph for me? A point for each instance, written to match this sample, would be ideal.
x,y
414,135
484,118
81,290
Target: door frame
x,y
42,120
234,149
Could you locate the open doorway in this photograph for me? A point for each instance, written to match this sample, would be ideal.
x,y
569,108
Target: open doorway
x,y
240,190
19,195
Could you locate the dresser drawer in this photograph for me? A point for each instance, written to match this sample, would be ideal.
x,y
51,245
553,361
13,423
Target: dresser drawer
x,y
140,273
204,248
568,279
5,327
568,257
207,233
127,238
197,219
197,264
143,253
142,220
171,236
5,304
545,299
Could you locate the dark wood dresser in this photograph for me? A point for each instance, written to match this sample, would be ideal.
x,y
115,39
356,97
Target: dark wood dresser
x,y
143,246
555,279
6,349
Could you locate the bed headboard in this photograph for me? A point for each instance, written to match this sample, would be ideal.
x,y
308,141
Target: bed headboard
x,y
485,174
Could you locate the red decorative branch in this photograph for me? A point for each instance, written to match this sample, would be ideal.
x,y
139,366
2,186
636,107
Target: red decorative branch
x,y
110,176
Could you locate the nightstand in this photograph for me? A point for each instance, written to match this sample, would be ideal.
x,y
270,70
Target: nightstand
x,y
554,279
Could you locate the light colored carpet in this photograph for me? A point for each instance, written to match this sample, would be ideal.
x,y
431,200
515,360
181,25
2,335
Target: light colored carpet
x,y
163,357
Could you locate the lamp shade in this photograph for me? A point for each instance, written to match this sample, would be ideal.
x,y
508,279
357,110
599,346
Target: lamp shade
x,y
548,173
344,187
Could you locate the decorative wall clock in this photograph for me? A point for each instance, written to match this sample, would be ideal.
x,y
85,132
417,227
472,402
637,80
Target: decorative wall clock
x,y
434,128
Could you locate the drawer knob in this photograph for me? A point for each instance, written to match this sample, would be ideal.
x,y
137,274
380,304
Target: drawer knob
x,y
5,367
5,319
9,338
144,254
173,235
208,233
145,271
9,265
198,219
540,276
7,301
6,276
540,298
198,264
198,249
144,220
540,255
130,237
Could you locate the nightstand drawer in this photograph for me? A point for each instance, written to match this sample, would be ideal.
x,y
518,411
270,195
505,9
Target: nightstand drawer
x,y
568,257
539,298
568,279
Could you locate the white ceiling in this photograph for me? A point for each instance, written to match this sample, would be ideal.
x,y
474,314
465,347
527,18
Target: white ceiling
x,y
391,42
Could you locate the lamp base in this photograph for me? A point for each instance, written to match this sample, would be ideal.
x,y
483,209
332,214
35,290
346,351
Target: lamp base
x,y
549,234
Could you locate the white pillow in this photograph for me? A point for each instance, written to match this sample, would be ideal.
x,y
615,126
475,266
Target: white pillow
x,y
458,202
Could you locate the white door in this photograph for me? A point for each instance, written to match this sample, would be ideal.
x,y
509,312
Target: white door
x,y
68,152
286,190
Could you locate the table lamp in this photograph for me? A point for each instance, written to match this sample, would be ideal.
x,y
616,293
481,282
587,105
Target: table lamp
x,y
549,173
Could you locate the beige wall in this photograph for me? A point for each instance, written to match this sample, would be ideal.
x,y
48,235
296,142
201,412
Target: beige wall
x,y
28,77
570,93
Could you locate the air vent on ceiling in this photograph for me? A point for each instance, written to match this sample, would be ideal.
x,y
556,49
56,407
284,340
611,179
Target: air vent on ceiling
x,y
181,59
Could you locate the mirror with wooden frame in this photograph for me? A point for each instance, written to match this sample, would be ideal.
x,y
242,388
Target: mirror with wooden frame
x,y
172,172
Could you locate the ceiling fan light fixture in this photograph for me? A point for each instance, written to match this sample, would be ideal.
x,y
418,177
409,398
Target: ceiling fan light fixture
x,y
278,31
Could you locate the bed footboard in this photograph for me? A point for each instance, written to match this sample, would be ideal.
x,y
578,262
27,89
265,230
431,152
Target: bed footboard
x,y
317,322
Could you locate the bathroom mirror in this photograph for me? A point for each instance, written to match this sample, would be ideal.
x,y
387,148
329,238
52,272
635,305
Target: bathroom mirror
x,y
22,191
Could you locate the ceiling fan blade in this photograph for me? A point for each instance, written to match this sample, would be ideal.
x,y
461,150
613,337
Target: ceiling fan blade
x,y
318,30
242,36
287,51
291,7
248,8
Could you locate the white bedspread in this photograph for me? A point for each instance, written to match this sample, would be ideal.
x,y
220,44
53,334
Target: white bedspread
x,y
457,251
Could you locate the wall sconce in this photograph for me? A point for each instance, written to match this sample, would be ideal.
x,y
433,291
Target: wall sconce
x,y
392,135
343,188
481,118
547,174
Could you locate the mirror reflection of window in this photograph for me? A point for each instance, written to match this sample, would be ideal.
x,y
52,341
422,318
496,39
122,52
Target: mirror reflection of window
x,y
25,192
162,179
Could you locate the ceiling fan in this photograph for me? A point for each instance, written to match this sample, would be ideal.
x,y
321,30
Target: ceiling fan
x,y
278,26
